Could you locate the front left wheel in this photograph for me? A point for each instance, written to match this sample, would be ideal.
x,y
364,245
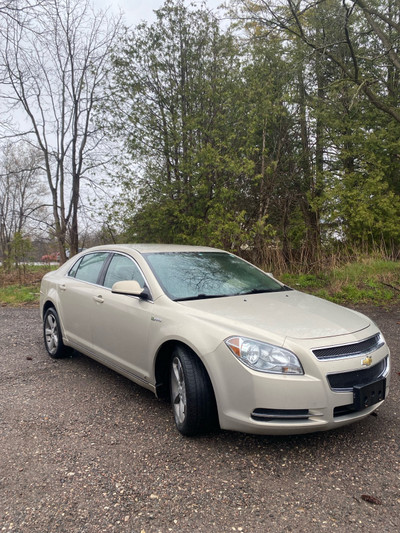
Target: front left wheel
x,y
192,395
52,335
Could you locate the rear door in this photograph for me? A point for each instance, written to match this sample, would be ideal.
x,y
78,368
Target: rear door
x,y
77,293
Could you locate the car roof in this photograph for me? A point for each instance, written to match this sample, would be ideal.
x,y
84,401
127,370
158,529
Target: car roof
x,y
154,248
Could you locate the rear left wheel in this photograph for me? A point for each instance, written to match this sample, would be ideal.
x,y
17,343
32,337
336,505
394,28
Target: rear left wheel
x,y
52,335
192,395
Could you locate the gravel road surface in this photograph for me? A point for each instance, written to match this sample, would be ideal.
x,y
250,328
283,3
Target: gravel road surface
x,y
83,449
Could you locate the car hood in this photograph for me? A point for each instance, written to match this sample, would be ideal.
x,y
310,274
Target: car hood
x,y
285,314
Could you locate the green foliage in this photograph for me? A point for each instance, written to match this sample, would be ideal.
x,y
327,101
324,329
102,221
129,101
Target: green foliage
x,y
177,78
365,281
21,249
362,196
256,144
211,129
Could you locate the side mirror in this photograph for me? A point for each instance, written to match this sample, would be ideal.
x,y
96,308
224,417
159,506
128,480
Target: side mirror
x,y
130,288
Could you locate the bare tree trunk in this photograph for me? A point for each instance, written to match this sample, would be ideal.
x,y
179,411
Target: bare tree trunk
x,y
311,214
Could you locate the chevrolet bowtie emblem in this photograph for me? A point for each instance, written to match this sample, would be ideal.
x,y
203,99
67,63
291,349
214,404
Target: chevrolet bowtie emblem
x,y
367,361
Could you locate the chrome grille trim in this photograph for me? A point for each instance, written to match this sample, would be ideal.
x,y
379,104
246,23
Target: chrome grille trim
x,y
349,350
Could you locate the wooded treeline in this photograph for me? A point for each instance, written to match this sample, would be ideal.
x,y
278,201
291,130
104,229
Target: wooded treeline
x,y
275,136
279,135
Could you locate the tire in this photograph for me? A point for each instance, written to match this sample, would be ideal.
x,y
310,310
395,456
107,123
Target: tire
x,y
52,335
192,395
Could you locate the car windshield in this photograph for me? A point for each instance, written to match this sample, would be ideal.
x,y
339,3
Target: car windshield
x,y
199,275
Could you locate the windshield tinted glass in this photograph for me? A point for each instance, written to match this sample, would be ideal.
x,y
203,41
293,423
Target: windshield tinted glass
x,y
195,275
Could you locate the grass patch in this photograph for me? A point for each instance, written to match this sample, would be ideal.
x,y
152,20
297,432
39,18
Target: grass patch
x,y
21,286
17,295
367,281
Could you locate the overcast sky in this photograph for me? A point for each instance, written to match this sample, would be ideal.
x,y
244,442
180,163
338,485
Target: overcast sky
x,y
137,10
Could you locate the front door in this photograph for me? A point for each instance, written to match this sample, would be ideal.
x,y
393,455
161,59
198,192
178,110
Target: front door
x,y
121,325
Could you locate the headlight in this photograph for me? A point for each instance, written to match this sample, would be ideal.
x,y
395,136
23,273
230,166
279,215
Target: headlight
x,y
380,339
264,357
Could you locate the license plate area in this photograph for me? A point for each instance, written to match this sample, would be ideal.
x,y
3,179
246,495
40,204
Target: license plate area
x,y
367,395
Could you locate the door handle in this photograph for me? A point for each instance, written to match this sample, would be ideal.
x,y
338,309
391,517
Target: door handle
x,y
99,299
63,287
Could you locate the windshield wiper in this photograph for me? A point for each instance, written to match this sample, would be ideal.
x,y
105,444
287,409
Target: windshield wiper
x,y
200,296
203,296
260,291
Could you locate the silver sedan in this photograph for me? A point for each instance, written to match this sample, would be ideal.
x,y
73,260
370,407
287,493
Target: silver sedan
x,y
226,342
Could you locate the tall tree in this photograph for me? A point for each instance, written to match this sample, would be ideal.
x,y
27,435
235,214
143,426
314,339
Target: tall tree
x,y
55,66
176,83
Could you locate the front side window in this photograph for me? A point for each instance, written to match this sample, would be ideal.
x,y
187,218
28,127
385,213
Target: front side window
x,y
122,268
196,275
89,267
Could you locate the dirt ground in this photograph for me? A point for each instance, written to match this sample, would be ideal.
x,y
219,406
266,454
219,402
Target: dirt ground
x,y
84,450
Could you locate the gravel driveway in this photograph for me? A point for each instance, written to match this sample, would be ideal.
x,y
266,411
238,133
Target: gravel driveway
x,y
83,449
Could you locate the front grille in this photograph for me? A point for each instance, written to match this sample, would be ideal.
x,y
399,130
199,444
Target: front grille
x,y
348,350
348,380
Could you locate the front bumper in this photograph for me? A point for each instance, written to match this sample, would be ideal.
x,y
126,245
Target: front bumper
x,y
275,404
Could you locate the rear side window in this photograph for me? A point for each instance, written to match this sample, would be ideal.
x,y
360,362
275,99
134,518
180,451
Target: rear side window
x,y
121,268
89,267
